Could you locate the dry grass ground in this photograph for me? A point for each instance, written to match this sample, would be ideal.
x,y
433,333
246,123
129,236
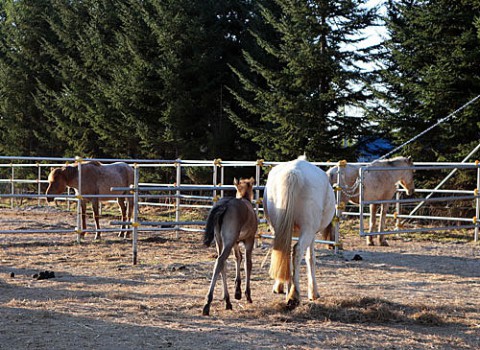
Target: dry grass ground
x,y
420,293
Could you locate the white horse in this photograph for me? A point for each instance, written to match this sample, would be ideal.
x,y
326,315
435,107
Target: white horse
x,y
378,185
298,201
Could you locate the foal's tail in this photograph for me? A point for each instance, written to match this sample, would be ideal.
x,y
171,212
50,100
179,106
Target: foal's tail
x,y
281,253
215,217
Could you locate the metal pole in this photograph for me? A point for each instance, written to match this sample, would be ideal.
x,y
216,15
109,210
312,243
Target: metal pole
x,y
79,201
445,179
360,200
12,185
178,164
39,177
135,223
339,204
397,209
215,170
258,168
477,203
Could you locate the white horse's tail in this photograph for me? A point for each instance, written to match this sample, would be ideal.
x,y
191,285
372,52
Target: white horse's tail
x,y
281,253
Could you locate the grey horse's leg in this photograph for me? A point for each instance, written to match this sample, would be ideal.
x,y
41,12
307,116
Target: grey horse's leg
x,y
381,225
372,221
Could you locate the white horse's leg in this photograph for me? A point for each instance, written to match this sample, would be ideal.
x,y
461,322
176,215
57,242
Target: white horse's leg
x,y
238,279
248,267
311,267
293,296
381,224
372,221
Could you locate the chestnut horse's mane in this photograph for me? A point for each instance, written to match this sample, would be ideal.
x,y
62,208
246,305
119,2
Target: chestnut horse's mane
x,y
71,171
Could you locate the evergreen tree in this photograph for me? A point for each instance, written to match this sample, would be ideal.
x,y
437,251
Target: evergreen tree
x,y
295,99
24,130
432,65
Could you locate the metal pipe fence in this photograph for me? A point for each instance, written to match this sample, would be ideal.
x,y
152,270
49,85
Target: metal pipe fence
x,y
181,195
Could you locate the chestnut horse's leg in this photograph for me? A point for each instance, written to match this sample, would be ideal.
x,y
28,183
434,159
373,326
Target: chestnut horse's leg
x,y
372,221
249,243
83,211
123,209
238,279
96,217
381,224
311,266
129,214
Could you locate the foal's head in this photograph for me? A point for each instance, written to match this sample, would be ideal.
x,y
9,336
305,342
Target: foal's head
x,y
244,188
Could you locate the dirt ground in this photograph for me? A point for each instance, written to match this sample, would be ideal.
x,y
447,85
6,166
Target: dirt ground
x,y
414,294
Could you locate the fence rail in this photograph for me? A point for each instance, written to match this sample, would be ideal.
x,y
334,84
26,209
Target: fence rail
x,y
182,195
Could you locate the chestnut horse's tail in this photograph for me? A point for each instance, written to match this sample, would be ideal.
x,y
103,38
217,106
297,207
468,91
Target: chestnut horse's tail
x,y
283,226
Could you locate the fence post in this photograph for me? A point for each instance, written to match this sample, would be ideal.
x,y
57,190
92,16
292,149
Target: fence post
x,y
258,169
135,222
178,165
360,200
397,208
477,202
12,185
340,205
79,200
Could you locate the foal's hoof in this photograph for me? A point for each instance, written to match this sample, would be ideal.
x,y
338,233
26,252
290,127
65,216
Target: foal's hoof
x,y
292,304
238,294
228,306
249,298
370,243
384,243
206,310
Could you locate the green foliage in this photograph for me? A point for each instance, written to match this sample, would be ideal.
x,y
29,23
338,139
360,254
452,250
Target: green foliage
x,y
432,65
295,98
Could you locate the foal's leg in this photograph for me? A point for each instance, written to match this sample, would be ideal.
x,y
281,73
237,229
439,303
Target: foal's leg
x,y
219,268
123,209
311,267
248,266
238,279
371,226
381,224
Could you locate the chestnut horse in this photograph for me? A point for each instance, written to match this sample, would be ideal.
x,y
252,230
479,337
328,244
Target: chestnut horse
x,y
231,221
378,185
298,201
96,179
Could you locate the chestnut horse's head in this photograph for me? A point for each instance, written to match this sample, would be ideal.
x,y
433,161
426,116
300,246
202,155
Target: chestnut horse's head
x,y
244,188
57,182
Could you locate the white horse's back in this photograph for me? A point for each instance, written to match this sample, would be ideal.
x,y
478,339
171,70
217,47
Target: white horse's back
x,y
314,197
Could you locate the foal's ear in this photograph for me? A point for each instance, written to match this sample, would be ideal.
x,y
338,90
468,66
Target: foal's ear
x,y
235,181
252,180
